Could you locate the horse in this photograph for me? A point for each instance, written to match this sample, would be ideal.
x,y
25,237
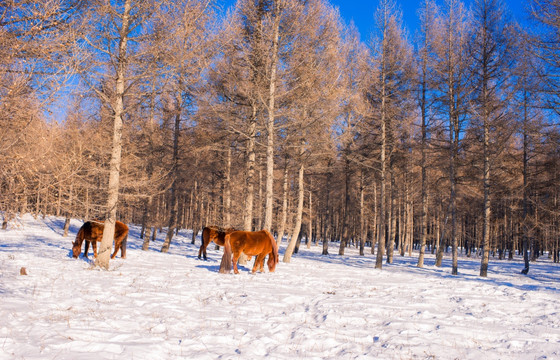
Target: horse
x,y
252,243
215,234
92,231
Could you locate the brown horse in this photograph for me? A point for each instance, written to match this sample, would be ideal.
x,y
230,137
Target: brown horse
x,y
252,243
215,234
92,231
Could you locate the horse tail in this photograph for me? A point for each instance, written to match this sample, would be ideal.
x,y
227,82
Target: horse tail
x,y
226,264
274,247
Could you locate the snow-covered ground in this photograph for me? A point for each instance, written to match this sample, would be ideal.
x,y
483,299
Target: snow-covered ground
x,y
174,306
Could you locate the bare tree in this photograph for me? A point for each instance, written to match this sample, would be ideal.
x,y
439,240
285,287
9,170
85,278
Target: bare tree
x,y
313,87
188,56
453,89
491,50
386,95
428,28
112,63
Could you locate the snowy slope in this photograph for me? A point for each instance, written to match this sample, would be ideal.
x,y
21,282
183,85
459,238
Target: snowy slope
x,y
174,306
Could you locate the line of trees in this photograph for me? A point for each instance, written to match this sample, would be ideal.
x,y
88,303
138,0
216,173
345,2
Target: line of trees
x,y
274,114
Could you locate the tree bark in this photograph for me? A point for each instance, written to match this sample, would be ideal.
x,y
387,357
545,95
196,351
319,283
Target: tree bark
x,y
284,215
525,222
299,213
69,211
423,109
346,210
104,252
227,192
270,121
173,199
363,231
391,221
310,224
382,192
249,186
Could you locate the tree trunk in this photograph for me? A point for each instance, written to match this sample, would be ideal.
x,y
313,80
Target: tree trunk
x,y
345,216
104,252
260,204
227,192
249,186
375,225
299,213
391,221
525,221
382,193
363,231
146,223
486,179
249,181
423,105
310,224
327,224
270,121
69,211
174,203
284,205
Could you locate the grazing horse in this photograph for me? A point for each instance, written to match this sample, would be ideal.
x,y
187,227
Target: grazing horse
x,y
92,231
215,234
252,243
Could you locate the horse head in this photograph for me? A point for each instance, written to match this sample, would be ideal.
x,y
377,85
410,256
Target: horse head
x,y
76,249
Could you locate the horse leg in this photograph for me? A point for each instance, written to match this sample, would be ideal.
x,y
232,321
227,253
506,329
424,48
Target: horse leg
x,y
94,246
202,250
118,244
262,263
236,256
259,259
123,247
87,249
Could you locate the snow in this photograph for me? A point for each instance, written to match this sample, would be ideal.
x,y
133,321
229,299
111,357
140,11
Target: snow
x,y
173,306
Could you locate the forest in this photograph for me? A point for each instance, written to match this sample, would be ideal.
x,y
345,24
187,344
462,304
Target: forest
x,y
279,115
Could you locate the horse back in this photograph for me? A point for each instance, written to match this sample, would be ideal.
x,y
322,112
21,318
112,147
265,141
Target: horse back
x,y
251,242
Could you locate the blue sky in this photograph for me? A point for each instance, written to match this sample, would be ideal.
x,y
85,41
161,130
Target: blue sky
x,y
362,12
